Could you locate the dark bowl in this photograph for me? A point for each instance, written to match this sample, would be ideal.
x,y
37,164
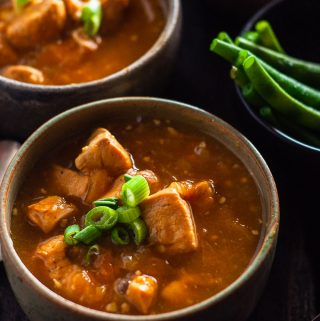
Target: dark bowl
x,y
234,303
294,22
24,107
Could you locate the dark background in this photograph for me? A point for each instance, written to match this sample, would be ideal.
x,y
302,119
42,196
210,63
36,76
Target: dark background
x,y
200,78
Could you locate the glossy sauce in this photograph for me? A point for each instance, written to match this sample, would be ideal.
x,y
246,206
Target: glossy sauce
x,y
228,234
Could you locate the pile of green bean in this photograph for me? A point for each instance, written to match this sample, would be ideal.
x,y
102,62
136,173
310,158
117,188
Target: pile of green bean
x,y
281,87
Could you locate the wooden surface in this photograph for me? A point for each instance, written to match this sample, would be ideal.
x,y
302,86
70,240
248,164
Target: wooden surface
x,y
201,79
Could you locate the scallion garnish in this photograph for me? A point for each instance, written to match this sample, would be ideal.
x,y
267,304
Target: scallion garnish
x,y
93,250
92,16
70,233
120,236
128,214
111,202
88,235
102,217
139,229
19,4
135,191
127,177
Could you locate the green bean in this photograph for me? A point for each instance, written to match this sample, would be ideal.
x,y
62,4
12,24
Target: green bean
x,y
289,127
252,96
223,36
267,36
281,101
238,76
302,70
298,90
252,36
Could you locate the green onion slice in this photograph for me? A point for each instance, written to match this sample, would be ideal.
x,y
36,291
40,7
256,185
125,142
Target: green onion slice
x,y
135,191
88,235
92,16
19,4
111,202
128,214
139,229
102,217
127,177
93,250
69,234
120,236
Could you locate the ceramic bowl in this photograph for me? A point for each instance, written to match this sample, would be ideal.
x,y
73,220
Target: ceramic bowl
x,y
24,107
235,303
297,36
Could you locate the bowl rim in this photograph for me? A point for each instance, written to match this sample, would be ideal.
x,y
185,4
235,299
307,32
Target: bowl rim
x,y
171,24
273,130
266,244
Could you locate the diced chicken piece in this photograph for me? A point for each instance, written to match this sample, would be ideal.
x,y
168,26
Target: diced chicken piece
x,y
68,182
69,279
149,175
24,73
49,211
142,292
104,152
176,292
7,54
170,222
199,195
87,187
113,14
36,24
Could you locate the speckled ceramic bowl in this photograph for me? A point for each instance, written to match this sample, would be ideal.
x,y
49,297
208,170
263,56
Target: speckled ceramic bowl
x,y
24,107
235,303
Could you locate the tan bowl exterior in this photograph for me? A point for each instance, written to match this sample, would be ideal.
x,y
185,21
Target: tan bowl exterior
x,y
234,303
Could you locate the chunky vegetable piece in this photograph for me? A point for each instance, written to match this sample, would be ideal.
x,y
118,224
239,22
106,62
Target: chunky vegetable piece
x,y
190,238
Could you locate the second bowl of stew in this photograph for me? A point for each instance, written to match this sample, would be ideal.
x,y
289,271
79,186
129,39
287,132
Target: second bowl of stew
x,y
138,209
56,54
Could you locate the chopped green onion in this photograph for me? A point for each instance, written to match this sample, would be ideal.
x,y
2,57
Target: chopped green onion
x,y
19,4
135,191
111,202
93,250
69,234
88,235
127,177
102,217
128,214
92,16
120,236
139,229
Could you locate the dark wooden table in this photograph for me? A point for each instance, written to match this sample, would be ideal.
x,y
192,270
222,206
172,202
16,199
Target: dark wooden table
x,y
201,79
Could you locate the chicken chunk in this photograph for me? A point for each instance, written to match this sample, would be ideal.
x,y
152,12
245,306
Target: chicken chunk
x,y
199,195
49,211
37,23
142,292
113,14
87,187
72,281
24,73
149,175
68,182
170,222
7,54
104,152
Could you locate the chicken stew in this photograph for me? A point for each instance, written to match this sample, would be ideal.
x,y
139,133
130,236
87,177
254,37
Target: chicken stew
x,y
60,42
191,232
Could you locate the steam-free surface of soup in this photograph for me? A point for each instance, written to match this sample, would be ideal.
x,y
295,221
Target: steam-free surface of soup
x,y
227,227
